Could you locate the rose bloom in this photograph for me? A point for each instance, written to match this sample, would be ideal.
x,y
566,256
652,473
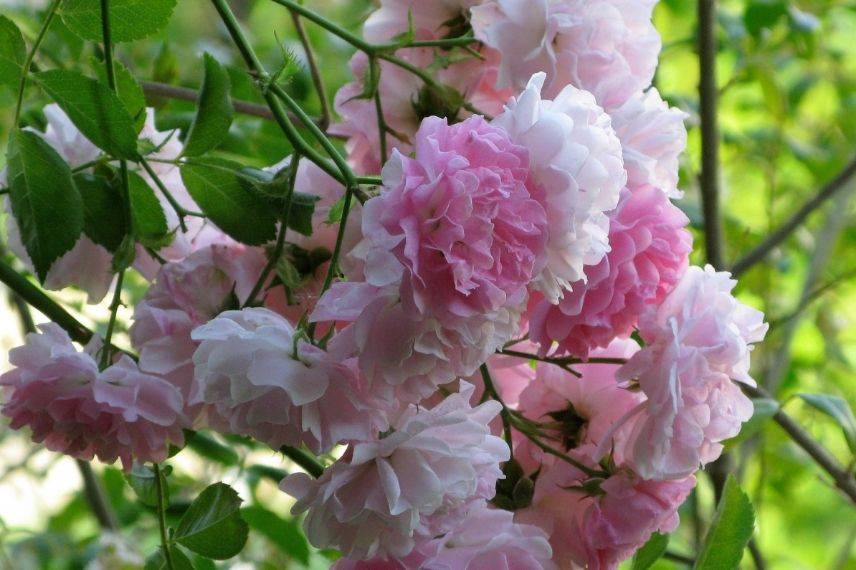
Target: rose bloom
x,y
607,47
577,169
264,381
485,539
185,295
449,247
649,253
602,529
696,342
415,479
72,408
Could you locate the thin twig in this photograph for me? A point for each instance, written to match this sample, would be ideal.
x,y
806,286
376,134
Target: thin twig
x,y
761,250
161,502
709,178
25,71
842,478
304,459
96,498
314,71
504,414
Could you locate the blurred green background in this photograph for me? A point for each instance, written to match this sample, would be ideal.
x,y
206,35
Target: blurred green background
x,y
787,75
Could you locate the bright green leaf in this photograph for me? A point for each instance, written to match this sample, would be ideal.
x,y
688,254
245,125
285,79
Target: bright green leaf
x,y
94,109
214,186
102,210
212,526
650,552
729,532
336,211
147,217
837,409
210,448
13,53
45,201
284,533
130,92
129,19
214,111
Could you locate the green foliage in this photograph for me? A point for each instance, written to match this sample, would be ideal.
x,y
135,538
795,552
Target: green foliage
x,y
148,221
94,109
284,533
129,19
46,202
650,552
103,218
143,480
214,112
214,185
13,53
837,409
128,90
158,560
212,526
729,532
209,448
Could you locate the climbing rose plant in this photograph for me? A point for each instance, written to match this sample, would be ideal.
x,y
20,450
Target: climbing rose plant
x,y
476,328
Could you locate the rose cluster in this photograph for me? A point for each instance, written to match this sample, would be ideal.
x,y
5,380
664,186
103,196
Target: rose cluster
x,y
514,364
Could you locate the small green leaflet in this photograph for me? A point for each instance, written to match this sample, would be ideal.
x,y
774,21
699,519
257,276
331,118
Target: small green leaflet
x,y
730,530
147,217
837,409
212,526
45,200
650,552
103,214
214,186
142,481
94,109
13,53
129,91
129,19
214,111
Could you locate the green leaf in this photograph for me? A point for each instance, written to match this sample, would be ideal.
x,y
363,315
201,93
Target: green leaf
x,y
45,201
13,53
102,210
214,186
284,533
142,480
300,215
180,561
650,552
129,19
837,409
148,220
212,526
130,92
336,211
730,530
208,447
214,111
94,109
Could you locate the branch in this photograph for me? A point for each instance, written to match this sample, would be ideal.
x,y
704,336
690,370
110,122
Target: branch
x,y
304,459
317,78
96,498
842,478
829,189
154,90
37,299
709,178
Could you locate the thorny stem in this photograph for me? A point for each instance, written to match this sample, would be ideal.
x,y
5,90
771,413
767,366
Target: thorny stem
x,y
505,415
123,171
161,500
25,71
314,71
180,211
